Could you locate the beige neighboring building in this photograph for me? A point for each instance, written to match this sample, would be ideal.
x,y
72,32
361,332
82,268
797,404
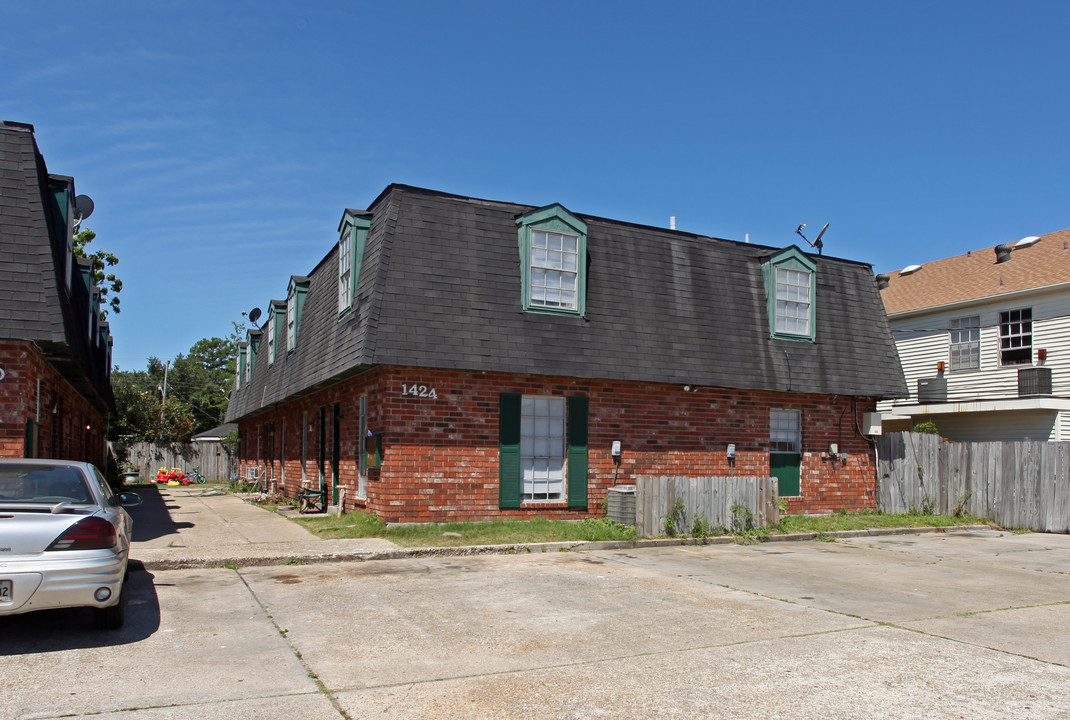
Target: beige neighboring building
x,y
984,342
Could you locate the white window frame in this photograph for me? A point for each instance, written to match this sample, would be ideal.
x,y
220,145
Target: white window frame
x,y
345,271
362,455
555,270
964,343
291,321
269,328
785,431
793,301
543,448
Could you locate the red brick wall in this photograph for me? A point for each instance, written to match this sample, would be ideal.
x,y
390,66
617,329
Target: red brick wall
x,y
440,455
64,414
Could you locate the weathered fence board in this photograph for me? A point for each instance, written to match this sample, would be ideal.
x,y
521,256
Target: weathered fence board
x,y
1020,485
709,497
212,459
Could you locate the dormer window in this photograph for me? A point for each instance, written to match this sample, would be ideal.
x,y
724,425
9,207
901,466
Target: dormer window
x,y
269,329
295,302
553,253
789,288
239,375
273,327
353,235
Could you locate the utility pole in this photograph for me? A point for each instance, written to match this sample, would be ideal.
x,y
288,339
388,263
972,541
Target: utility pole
x,y
164,401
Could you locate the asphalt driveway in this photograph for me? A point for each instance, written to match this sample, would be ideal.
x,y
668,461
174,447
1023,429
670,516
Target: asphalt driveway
x,y
908,626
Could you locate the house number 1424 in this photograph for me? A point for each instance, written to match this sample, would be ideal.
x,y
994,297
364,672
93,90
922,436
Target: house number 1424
x,y
418,391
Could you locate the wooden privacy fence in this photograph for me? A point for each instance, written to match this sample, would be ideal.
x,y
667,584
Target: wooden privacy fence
x,y
1018,485
712,497
212,458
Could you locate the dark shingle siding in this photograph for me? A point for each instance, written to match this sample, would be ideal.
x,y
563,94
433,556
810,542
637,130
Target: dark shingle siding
x,y
440,287
34,302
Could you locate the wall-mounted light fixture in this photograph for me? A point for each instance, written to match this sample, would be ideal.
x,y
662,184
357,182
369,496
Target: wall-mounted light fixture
x,y
1042,354
940,366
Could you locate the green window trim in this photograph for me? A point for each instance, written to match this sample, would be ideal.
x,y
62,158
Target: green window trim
x,y
273,328
509,466
554,219
240,374
295,304
790,258
253,339
353,229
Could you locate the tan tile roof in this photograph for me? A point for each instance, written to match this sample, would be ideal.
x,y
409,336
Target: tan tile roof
x,y
976,275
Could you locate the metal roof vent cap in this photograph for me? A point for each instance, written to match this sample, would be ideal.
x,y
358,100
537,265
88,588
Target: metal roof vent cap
x,y
882,281
1003,252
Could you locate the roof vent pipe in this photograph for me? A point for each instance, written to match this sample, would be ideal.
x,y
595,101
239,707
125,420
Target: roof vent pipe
x,y
672,222
882,281
1003,253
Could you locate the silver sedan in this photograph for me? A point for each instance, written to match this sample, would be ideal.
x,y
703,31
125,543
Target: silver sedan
x,y
64,539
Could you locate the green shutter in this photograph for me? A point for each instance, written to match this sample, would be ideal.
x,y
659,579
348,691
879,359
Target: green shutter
x,y
577,452
33,436
509,450
786,468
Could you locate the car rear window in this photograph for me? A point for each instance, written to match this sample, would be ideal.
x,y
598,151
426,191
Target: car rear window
x,y
43,483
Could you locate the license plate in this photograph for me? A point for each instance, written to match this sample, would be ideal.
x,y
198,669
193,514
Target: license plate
x,y
5,591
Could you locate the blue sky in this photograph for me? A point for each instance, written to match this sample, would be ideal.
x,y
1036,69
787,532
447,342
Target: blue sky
x,y
221,141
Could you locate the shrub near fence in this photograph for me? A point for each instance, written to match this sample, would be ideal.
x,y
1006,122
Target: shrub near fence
x,y
213,459
709,497
1018,485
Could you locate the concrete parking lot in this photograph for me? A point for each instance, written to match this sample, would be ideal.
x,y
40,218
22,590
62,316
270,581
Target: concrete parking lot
x,y
907,626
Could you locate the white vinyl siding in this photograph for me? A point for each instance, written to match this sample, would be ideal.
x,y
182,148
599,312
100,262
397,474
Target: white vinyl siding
x,y
1006,425
922,341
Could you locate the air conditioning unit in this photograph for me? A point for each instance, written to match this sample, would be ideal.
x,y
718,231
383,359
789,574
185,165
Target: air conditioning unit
x,y
1034,381
932,390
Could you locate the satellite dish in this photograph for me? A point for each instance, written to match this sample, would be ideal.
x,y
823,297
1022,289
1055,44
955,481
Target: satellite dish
x,y
83,208
817,241
254,315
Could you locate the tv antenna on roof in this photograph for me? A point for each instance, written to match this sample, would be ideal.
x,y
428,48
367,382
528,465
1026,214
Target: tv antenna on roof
x,y
817,244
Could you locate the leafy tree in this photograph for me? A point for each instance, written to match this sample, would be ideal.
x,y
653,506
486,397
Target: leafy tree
x,y
198,390
106,282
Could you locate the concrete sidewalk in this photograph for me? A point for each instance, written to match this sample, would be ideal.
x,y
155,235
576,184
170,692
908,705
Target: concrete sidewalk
x,y
195,526
200,526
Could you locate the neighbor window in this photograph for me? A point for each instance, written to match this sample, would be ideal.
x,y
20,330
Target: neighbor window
x,y
553,251
966,343
789,286
1016,337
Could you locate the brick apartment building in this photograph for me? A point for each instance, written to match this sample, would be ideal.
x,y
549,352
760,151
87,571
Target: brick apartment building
x,y
55,354
457,358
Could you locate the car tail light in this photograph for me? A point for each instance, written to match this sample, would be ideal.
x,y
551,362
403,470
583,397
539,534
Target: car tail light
x,y
92,533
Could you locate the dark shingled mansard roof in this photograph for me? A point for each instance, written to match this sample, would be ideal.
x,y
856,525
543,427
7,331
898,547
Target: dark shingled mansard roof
x,y
440,288
35,304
